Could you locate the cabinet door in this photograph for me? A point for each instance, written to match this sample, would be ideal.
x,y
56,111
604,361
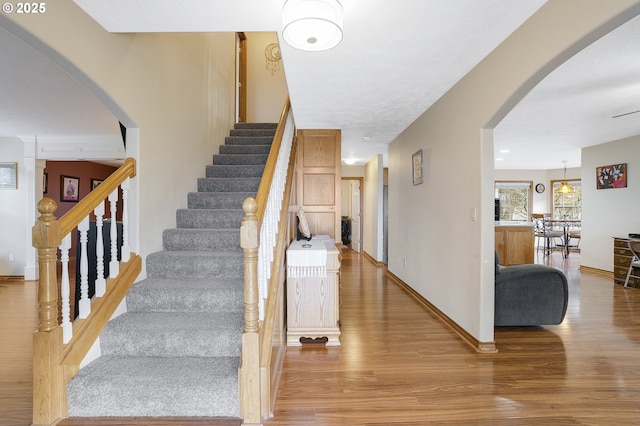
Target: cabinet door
x,y
319,180
520,247
500,238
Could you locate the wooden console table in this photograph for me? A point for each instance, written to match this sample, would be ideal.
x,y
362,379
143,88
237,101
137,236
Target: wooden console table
x,y
622,257
313,291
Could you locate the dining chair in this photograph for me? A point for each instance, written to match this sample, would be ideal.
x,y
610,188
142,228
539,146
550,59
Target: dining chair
x,y
634,246
574,234
544,232
538,229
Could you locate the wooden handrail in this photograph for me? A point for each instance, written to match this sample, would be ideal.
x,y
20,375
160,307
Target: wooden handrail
x,y
270,166
274,290
278,258
251,385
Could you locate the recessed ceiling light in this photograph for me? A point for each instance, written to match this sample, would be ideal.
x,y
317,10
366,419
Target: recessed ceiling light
x,y
504,151
499,159
366,138
350,161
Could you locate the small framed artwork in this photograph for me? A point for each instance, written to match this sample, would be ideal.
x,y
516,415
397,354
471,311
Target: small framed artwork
x,y
8,175
95,183
416,160
69,188
613,176
45,183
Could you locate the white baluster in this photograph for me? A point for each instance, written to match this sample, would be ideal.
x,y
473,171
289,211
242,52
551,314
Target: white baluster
x,y
101,283
114,266
67,329
271,217
84,307
125,252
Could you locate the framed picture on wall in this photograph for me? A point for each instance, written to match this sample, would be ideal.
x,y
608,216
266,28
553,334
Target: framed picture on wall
x,y
416,160
69,188
95,183
613,176
8,175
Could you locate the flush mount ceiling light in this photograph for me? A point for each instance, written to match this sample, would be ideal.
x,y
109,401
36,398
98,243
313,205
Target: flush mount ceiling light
x,y
312,25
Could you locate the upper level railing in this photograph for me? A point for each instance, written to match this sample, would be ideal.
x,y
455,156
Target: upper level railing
x,y
60,346
263,239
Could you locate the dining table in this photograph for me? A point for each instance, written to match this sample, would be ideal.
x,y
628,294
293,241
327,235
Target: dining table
x,y
566,226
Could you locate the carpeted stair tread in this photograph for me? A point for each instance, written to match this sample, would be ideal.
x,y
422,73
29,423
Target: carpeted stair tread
x,y
209,218
195,264
240,159
195,295
226,184
252,132
217,200
245,149
236,171
179,334
156,387
201,239
248,140
263,125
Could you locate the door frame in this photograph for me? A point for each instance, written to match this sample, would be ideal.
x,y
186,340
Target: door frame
x,y
241,77
361,179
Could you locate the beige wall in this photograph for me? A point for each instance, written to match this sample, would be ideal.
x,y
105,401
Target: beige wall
x,y
372,214
352,171
449,254
266,91
174,92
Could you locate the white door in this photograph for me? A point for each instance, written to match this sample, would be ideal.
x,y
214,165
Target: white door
x,y
355,215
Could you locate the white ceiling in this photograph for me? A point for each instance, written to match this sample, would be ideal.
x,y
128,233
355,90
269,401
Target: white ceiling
x,y
396,60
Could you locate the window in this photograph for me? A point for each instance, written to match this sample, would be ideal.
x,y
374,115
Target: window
x,y
569,205
515,200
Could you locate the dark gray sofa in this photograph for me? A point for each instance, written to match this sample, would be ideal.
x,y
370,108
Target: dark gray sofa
x,y
527,295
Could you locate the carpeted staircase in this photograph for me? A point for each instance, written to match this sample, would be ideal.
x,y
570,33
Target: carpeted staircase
x,y
176,350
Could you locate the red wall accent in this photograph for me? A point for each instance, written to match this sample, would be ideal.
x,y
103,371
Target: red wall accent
x,y
84,170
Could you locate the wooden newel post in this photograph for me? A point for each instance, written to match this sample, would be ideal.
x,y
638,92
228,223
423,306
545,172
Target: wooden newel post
x,y
250,364
49,395
249,244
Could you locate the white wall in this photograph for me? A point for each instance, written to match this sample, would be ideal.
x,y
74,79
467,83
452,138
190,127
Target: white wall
x,y
372,215
608,213
175,91
266,91
13,203
449,255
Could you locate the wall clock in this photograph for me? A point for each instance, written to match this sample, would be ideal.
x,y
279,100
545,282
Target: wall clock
x,y
540,188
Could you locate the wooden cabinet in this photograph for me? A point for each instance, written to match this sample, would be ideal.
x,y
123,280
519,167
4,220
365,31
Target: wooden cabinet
x,y
319,180
622,257
514,244
313,298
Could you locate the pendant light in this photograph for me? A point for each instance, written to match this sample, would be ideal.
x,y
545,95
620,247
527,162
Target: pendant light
x,y
564,187
312,25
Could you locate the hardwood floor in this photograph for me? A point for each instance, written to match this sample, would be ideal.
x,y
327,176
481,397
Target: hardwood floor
x,y
399,365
